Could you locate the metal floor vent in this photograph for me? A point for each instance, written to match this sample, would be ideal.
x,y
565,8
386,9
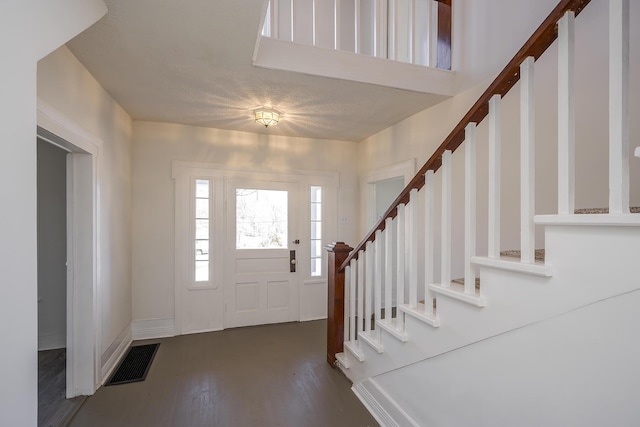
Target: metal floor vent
x,y
135,366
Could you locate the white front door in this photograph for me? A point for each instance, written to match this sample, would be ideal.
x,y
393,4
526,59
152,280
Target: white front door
x,y
261,283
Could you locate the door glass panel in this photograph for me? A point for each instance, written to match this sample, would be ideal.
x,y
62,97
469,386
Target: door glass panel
x,y
261,219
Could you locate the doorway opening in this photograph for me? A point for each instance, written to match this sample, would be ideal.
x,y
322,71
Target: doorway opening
x,y
67,266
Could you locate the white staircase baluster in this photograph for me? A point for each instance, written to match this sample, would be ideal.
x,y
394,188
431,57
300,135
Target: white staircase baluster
x,y
356,25
401,257
292,19
429,239
413,248
361,261
566,116
392,52
445,239
495,165
618,106
388,267
346,324
368,282
527,161
412,31
336,24
353,277
377,296
470,208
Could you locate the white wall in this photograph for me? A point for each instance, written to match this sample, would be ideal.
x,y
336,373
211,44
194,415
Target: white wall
x,y
418,136
577,369
28,31
52,246
156,145
64,84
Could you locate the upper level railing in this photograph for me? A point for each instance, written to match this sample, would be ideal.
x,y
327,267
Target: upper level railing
x,y
413,31
534,47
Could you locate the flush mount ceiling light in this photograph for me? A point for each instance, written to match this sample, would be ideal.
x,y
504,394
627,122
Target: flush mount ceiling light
x,y
267,116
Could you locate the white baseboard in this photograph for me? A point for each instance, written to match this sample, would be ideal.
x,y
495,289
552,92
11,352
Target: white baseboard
x,y
53,341
115,352
153,328
309,319
381,406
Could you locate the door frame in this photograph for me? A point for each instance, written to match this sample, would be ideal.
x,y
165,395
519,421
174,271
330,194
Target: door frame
x,y
182,173
83,308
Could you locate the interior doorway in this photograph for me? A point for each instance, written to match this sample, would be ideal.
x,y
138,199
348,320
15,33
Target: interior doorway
x,y
80,255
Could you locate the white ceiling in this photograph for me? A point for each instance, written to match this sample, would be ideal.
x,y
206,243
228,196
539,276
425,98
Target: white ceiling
x,y
190,62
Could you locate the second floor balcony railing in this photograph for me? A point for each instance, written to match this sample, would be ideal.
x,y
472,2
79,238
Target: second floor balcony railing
x,y
412,31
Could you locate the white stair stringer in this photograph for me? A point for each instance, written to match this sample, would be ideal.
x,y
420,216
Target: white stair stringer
x,y
588,266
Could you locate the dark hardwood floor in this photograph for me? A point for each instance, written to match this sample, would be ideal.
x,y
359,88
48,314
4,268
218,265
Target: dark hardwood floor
x,y
53,408
272,375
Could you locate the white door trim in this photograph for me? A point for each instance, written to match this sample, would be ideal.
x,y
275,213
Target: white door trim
x,y
183,171
83,308
406,169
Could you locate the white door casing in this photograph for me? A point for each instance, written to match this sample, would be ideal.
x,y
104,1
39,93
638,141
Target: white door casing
x,y
200,308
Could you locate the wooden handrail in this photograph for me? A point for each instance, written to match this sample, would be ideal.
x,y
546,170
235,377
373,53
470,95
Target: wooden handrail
x,y
537,44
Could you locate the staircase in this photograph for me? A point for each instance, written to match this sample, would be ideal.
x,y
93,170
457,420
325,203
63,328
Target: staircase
x,y
516,340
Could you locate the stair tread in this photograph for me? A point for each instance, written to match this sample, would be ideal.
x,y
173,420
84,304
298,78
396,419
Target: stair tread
x,y
461,282
516,253
584,211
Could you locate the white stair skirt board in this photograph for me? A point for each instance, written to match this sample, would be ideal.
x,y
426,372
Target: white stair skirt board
x,y
419,313
343,360
395,327
456,291
511,264
383,408
371,338
353,347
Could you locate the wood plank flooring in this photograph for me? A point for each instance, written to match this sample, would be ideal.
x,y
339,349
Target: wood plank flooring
x,y
272,375
53,408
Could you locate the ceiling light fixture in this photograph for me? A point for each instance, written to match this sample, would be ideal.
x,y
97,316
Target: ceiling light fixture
x,y
267,116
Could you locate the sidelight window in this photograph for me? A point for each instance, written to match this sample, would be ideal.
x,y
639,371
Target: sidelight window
x,y
202,226
316,231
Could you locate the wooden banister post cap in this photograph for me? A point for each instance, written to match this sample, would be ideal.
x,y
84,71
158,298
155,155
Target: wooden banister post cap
x,y
338,247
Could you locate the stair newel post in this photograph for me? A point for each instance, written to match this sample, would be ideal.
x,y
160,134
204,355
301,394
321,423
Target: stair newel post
x,y
388,267
527,161
618,106
347,303
368,283
338,253
413,248
566,115
495,165
429,239
470,208
445,239
377,298
401,253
